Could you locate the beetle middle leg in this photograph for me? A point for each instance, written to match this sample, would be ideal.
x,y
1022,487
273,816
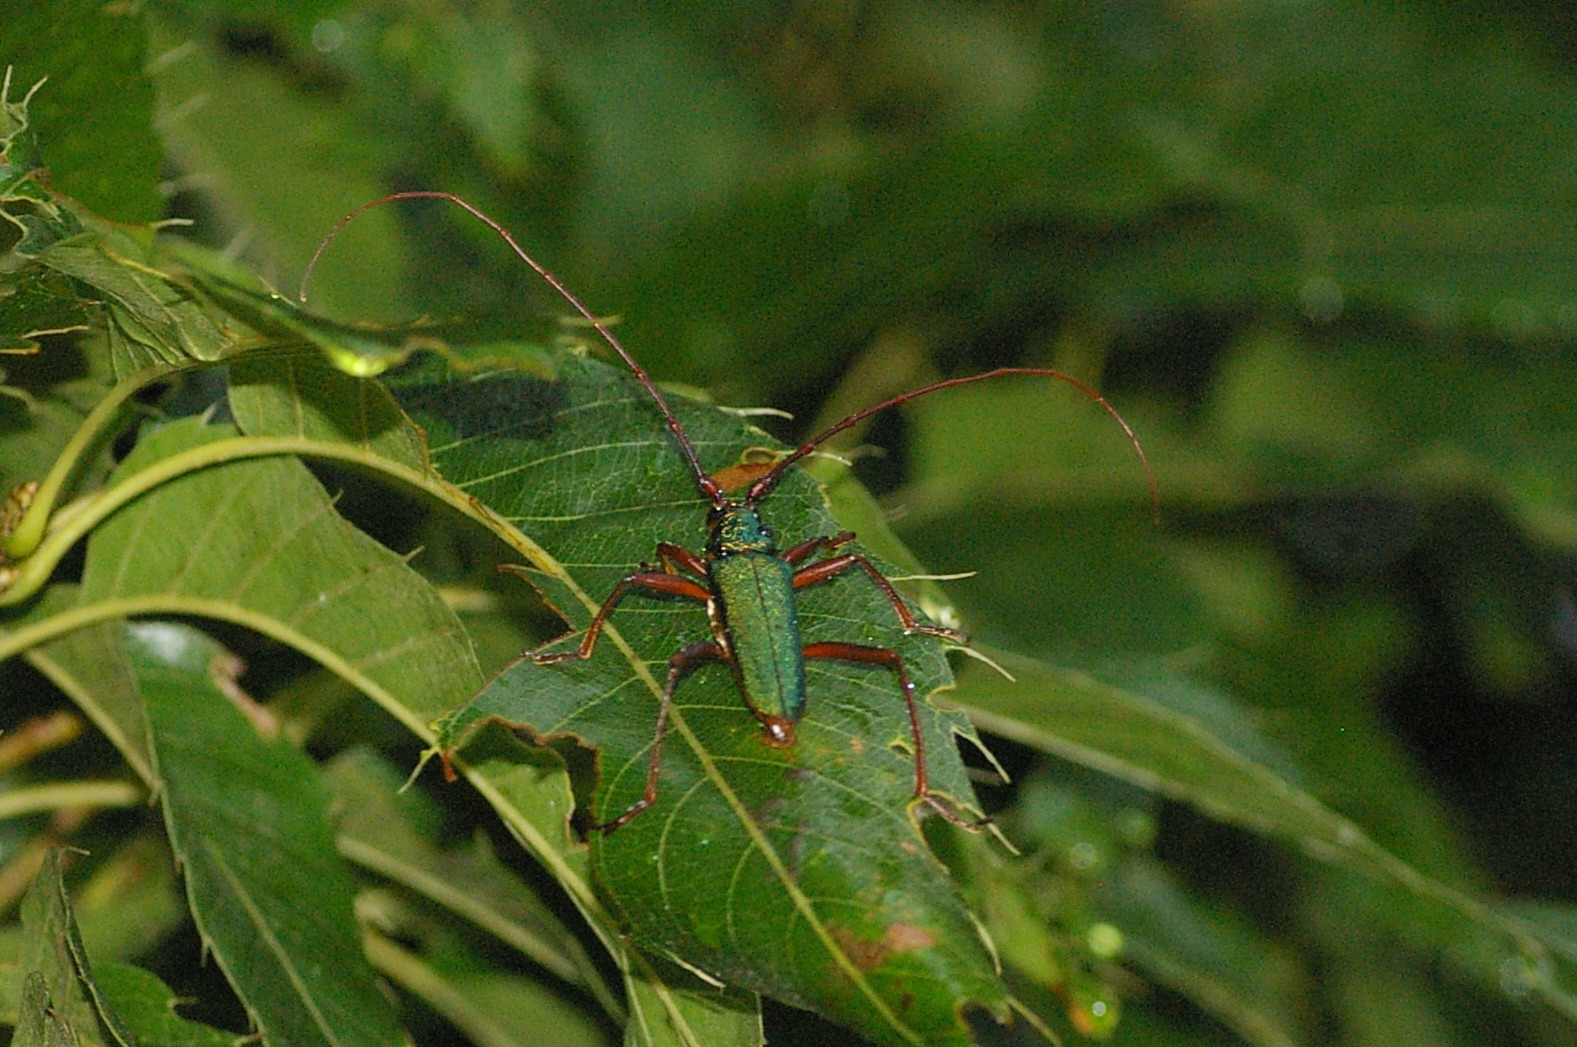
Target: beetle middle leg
x,y
667,582
860,653
679,666
822,570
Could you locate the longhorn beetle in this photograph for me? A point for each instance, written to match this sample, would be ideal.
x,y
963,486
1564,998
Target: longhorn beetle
x,y
745,582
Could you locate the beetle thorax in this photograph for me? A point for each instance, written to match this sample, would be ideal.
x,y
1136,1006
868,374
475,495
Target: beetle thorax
x,y
736,527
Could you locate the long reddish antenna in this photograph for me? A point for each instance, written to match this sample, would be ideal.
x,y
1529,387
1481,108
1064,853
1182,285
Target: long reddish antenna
x,y
708,487
762,487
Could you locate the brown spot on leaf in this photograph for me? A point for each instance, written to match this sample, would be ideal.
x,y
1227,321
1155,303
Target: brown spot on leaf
x,y
898,938
907,937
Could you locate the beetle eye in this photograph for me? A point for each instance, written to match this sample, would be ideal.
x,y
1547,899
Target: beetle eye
x,y
766,532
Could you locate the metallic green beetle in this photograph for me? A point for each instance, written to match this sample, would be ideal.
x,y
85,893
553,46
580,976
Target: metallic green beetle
x,y
746,583
748,588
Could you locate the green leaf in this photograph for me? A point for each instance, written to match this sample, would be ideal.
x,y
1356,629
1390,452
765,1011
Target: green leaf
x,y
248,822
298,393
147,1006
131,903
531,791
272,555
94,115
698,1018
361,350
39,301
89,665
151,319
481,62
1370,155
392,835
341,598
49,425
489,1007
1196,751
38,1023
52,949
288,161
1204,954
20,159
796,872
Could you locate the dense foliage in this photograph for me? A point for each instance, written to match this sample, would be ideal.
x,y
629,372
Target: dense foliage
x,y
1289,765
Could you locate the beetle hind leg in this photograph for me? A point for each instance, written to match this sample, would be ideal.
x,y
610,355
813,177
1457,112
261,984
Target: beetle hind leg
x,y
887,656
680,665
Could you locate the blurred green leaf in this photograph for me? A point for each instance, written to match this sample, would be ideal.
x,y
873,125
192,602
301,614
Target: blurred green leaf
x,y
94,115
130,903
1208,955
386,834
1169,748
65,989
248,822
265,141
148,1007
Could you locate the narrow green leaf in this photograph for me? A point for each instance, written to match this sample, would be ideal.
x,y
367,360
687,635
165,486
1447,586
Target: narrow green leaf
x,y
52,948
38,1023
795,872
248,822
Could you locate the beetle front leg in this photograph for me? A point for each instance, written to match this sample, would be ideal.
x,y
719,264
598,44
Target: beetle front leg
x,y
663,583
859,653
679,665
676,558
826,543
822,570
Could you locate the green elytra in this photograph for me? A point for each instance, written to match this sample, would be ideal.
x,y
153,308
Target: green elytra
x,y
745,582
